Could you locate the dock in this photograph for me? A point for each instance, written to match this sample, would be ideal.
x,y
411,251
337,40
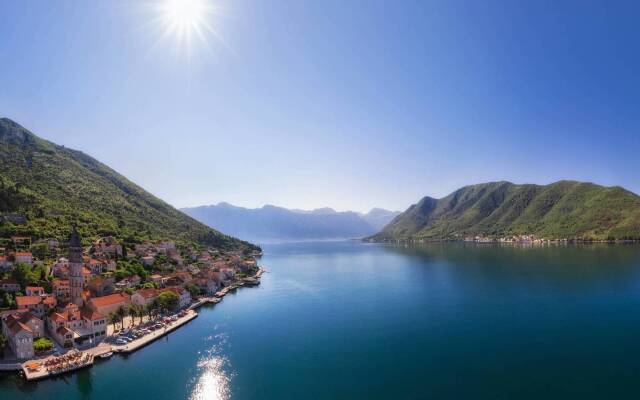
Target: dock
x,y
205,300
53,366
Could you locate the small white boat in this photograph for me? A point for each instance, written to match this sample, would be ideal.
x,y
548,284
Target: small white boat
x,y
106,355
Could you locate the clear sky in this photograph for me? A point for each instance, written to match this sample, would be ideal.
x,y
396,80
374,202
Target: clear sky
x,y
348,104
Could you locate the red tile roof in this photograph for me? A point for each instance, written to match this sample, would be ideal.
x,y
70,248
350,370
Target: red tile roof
x,y
23,301
148,293
110,299
91,315
16,326
57,317
49,300
63,330
17,322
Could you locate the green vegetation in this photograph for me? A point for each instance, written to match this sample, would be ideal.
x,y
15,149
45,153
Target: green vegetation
x,y
54,187
112,319
28,275
121,313
3,344
7,300
129,268
562,210
168,300
193,289
137,311
42,344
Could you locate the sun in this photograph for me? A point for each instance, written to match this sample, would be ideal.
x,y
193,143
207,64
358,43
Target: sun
x,y
188,20
184,15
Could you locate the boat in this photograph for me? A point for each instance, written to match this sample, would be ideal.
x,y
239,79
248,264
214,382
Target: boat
x,y
106,355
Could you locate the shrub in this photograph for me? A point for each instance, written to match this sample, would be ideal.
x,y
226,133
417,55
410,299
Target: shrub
x,y
42,344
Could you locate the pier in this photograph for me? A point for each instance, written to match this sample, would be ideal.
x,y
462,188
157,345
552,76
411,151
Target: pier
x,y
205,300
57,365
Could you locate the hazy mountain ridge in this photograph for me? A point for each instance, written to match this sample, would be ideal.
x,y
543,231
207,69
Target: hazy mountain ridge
x,y
277,223
54,187
561,210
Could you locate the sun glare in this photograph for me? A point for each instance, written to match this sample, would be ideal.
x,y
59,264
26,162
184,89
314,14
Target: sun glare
x,y
182,15
188,20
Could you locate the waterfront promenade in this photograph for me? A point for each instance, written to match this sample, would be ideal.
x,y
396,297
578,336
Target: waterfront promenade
x,y
155,335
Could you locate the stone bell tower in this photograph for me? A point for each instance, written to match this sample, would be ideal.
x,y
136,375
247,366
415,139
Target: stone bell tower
x,y
76,281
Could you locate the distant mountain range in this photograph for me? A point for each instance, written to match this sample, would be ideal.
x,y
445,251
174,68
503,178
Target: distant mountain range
x,y
561,210
277,223
45,188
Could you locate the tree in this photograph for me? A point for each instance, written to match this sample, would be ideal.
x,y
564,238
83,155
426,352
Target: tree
x,y
40,250
112,318
134,311
193,289
168,300
142,310
154,308
122,312
141,313
24,274
42,344
150,309
3,343
8,301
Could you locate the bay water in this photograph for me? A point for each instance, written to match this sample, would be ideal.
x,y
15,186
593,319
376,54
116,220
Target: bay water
x,y
347,320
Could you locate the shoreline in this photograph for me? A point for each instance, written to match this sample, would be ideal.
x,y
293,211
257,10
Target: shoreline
x,y
133,346
497,241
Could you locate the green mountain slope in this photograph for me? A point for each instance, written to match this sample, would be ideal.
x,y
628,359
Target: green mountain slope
x,y
53,187
561,210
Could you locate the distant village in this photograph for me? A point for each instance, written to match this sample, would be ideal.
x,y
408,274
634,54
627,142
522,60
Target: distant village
x,y
517,239
85,294
530,239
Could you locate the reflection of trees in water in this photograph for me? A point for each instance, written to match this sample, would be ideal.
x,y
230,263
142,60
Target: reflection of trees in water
x,y
556,263
84,382
17,381
82,377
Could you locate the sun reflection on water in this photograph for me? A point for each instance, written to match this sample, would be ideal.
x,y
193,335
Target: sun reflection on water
x,y
213,382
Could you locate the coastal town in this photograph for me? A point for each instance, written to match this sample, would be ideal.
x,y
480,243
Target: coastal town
x,y
59,314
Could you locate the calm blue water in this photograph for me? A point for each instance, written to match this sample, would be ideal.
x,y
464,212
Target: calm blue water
x,y
352,320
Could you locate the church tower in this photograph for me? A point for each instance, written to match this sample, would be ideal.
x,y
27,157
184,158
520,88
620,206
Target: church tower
x,y
76,281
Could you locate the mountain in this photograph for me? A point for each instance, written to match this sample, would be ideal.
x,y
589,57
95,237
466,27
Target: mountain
x,y
565,209
378,218
54,187
277,223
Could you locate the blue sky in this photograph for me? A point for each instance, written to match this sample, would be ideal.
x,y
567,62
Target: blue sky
x,y
349,104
